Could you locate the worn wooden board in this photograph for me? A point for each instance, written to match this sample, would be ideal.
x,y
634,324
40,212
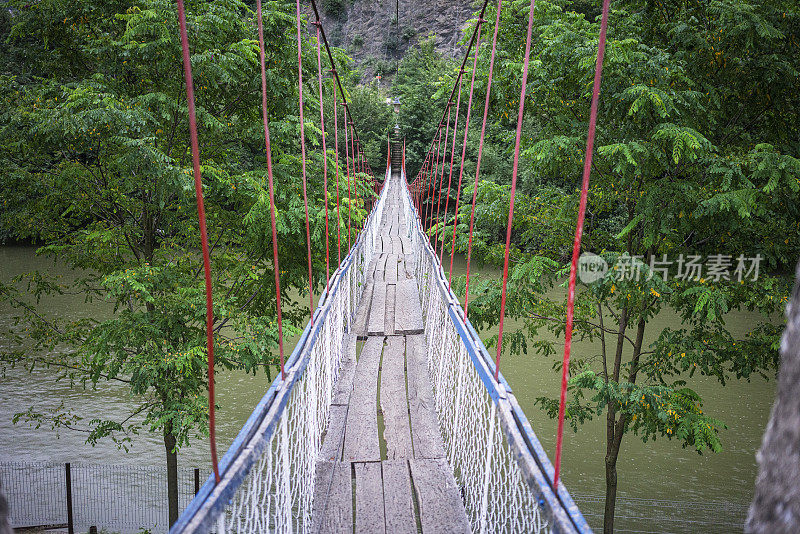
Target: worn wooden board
x,y
369,498
394,401
390,269
408,315
398,498
427,439
333,499
362,313
406,242
402,271
389,321
438,496
377,315
380,262
322,486
361,434
331,449
347,369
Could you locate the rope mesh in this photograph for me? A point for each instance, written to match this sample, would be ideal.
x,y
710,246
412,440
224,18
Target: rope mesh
x,y
276,495
495,495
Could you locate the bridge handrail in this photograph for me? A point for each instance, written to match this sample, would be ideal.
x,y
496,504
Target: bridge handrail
x,y
209,503
531,457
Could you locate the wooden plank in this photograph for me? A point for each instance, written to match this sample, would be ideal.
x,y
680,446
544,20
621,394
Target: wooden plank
x,y
380,265
361,433
377,312
394,401
333,499
398,501
347,369
331,449
389,321
369,498
390,269
408,315
410,265
406,244
362,313
426,438
440,506
322,485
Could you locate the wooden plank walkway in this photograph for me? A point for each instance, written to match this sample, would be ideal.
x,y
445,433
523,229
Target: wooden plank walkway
x,y
382,468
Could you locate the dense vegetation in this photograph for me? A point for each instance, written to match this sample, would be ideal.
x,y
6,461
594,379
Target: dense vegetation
x,y
96,168
696,155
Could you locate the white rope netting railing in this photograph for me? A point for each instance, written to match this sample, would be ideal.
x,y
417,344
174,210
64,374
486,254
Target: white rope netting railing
x,y
269,471
494,455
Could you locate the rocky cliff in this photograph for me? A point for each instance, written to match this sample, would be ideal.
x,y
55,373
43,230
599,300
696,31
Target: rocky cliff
x,y
377,33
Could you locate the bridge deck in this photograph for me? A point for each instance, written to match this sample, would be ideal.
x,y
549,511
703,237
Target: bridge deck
x,y
382,467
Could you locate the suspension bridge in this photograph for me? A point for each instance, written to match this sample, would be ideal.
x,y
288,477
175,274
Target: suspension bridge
x,y
390,415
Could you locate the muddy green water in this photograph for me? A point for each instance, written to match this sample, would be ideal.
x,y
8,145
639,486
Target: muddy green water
x,y
662,487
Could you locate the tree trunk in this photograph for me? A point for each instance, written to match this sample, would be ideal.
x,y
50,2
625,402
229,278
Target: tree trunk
x,y
172,473
615,428
776,504
611,494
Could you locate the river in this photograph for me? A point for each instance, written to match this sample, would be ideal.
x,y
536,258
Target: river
x,y
662,487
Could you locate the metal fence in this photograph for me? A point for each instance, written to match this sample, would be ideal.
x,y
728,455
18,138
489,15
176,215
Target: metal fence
x,y
115,498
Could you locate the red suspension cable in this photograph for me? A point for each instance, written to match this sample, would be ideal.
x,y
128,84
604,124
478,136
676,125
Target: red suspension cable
x,y
464,146
201,215
576,248
303,156
318,24
514,187
434,176
480,149
403,165
452,159
439,224
267,143
336,153
349,193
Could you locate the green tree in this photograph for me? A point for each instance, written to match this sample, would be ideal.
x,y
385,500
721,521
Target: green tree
x,y
695,155
374,119
423,83
97,169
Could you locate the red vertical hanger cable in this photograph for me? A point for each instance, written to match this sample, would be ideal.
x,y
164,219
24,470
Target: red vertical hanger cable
x,y
201,215
515,168
480,149
437,187
464,146
303,159
318,24
349,192
576,248
452,160
439,224
434,176
336,154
